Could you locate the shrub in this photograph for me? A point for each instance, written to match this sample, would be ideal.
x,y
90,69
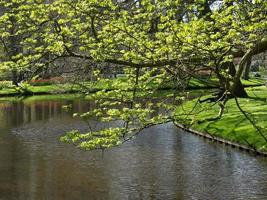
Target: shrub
x,y
255,67
24,88
6,84
42,82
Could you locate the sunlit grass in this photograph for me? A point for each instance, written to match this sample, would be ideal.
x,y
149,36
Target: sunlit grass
x,y
111,84
233,125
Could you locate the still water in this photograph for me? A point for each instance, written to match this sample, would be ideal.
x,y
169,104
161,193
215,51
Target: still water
x,y
162,163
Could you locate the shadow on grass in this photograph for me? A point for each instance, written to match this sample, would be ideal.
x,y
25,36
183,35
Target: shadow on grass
x,y
232,129
258,99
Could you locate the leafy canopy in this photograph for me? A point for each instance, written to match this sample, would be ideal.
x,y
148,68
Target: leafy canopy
x,y
156,41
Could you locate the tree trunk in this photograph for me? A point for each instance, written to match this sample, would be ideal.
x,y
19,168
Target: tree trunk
x,y
17,77
14,77
239,90
247,70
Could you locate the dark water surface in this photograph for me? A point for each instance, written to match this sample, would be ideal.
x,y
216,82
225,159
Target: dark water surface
x,y
162,163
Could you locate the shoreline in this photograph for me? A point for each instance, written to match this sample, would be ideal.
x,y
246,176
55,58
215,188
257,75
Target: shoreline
x,y
222,141
233,128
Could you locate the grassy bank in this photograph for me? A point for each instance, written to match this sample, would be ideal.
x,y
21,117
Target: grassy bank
x,y
233,125
108,84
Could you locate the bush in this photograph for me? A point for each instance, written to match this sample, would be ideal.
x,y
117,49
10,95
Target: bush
x,y
24,88
43,82
255,67
40,83
6,84
256,74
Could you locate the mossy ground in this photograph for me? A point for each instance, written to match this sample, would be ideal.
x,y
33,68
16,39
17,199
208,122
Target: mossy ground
x,y
233,125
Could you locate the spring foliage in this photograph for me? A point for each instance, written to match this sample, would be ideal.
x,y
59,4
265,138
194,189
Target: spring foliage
x,y
156,41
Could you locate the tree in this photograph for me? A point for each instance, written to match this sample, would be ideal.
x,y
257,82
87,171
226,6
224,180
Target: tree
x,y
153,41
9,39
247,70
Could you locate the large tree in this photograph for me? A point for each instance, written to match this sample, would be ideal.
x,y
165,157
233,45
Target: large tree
x,y
155,41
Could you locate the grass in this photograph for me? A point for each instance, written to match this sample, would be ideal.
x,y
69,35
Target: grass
x,y
233,125
110,84
45,89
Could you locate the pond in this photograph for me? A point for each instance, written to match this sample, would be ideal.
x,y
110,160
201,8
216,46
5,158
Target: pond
x,y
161,163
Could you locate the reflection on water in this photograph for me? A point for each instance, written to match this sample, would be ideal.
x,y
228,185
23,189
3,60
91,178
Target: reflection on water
x,y
162,163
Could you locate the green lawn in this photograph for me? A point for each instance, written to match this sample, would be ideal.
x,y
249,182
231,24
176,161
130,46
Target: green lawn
x,y
233,125
110,84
